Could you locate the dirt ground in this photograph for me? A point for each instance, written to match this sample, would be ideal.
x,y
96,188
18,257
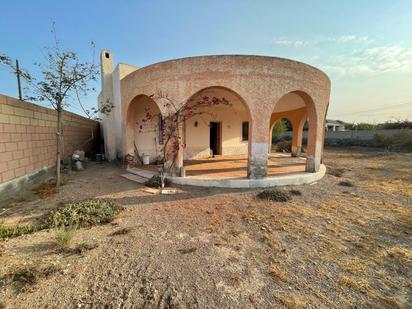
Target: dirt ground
x,y
333,246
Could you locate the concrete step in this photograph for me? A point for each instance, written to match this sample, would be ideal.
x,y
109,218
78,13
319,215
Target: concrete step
x,y
134,178
141,173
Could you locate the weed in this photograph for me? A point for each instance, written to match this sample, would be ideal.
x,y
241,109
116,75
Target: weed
x,y
64,237
346,183
83,214
274,195
79,214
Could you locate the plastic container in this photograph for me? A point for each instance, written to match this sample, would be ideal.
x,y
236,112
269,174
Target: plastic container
x,y
146,159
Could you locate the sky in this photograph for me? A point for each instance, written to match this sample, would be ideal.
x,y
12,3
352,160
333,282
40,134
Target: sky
x,y
364,46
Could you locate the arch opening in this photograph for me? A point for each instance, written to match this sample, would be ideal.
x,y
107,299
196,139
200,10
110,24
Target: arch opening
x,y
143,135
216,138
290,157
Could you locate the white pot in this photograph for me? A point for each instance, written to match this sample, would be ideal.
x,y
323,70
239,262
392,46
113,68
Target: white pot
x,y
146,159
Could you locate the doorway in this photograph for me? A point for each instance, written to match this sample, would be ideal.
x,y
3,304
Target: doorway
x,y
215,138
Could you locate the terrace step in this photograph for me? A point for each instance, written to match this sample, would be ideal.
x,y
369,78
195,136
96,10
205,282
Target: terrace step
x,y
134,178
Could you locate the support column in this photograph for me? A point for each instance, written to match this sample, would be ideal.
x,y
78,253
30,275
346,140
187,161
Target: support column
x,y
258,149
315,138
298,125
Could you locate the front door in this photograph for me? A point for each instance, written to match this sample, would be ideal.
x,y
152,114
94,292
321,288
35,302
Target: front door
x,y
215,138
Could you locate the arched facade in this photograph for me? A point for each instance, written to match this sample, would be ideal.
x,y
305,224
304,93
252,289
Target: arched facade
x,y
258,82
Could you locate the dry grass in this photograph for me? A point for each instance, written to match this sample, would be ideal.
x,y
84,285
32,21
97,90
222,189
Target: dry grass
x,y
332,247
64,237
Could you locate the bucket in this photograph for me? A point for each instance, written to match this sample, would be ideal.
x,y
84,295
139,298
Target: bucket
x,y
146,159
99,157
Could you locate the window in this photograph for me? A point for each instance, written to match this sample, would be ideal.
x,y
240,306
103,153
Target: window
x,y
245,131
107,55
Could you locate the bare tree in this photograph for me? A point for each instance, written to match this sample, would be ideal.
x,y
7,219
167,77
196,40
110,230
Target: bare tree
x,y
63,79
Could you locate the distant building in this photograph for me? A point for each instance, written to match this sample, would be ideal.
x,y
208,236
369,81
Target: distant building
x,y
334,125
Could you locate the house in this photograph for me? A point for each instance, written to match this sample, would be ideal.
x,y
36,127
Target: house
x,y
260,91
334,125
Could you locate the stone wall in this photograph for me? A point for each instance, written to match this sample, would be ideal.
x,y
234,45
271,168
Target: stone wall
x,y
28,137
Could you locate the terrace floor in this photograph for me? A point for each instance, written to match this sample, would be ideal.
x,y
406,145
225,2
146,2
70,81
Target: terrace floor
x,y
236,166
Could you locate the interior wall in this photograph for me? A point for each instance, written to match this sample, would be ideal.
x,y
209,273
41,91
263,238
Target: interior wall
x,y
197,138
146,132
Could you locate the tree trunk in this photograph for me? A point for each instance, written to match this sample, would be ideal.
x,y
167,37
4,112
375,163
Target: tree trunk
x,y
59,145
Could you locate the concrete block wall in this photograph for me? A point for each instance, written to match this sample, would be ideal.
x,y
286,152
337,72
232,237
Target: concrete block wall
x,y
28,137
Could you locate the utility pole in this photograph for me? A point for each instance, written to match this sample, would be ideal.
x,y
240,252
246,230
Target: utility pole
x,y
18,78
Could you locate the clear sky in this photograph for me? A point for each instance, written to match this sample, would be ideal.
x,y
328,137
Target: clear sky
x,y
364,46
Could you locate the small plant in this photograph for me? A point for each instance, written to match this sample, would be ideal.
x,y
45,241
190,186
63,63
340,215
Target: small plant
x,y
83,214
9,232
283,146
346,183
64,237
275,195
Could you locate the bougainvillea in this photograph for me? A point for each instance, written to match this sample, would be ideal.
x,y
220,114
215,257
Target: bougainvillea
x,y
171,124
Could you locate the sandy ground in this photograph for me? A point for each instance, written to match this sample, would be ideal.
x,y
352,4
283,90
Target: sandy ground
x,y
331,247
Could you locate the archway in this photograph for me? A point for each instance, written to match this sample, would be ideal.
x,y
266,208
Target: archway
x,y
216,136
298,107
280,135
143,136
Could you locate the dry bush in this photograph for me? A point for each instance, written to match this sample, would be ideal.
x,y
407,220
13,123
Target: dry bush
x,y
275,195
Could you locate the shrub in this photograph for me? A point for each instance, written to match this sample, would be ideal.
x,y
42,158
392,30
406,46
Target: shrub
x,y
83,214
275,195
155,182
283,146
